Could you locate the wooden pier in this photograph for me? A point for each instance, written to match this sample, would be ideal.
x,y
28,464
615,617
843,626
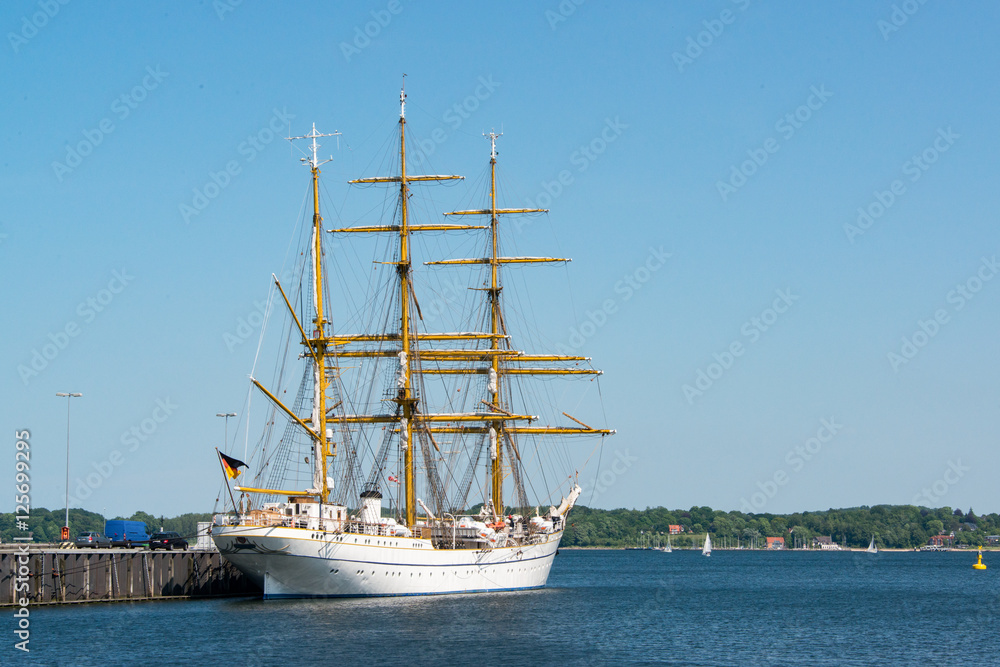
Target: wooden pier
x,y
58,576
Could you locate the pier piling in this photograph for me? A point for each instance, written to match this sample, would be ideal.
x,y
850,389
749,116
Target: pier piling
x,y
57,576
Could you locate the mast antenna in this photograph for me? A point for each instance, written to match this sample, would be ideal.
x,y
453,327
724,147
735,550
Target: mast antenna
x,y
402,98
314,135
493,141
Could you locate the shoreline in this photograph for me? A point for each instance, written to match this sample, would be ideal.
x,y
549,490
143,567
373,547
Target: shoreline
x,y
971,550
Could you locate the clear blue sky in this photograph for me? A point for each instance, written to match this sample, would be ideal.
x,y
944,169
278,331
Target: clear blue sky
x,y
825,108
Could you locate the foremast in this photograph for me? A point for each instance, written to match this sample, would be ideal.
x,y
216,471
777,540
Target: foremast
x,y
499,430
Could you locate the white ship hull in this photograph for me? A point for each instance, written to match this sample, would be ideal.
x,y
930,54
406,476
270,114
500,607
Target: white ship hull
x,y
294,563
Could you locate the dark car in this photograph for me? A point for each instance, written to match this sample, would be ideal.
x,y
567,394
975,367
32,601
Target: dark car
x,y
168,540
91,539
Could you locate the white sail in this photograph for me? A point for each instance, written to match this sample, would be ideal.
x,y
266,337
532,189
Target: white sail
x,y
872,549
707,549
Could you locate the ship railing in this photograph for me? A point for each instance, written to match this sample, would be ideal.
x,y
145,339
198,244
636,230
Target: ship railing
x,y
268,519
264,518
462,537
364,528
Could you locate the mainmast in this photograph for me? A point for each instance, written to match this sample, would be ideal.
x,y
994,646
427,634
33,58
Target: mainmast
x,y
405,396
496,419
493,386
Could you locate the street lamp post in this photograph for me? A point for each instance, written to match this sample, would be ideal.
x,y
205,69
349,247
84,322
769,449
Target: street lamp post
x,y
227,415
68,396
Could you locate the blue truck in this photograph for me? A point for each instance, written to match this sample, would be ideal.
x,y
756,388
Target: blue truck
x,y
126,533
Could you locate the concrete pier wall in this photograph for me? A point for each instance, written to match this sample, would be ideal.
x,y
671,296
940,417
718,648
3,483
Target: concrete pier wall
x,y
57,576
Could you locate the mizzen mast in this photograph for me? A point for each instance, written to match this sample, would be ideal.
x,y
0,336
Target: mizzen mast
x,y
318,347
317,343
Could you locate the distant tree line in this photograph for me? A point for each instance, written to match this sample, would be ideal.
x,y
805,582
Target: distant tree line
x,y
45,525
893,526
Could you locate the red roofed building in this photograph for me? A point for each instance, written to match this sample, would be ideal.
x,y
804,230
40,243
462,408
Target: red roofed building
x,y
775,543
676,530
942,540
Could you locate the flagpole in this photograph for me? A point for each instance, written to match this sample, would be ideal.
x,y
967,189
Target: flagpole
x,y
228,488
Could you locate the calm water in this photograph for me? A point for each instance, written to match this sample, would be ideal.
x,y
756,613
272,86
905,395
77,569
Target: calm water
x,y
601,607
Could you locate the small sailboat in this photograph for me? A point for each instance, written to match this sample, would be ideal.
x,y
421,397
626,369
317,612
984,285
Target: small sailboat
x,y
668,549
872,549
707,549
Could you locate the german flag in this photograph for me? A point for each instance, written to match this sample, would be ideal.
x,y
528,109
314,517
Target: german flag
x,y
232,466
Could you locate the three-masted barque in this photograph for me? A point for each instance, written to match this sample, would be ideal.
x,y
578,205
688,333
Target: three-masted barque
x,y
335,537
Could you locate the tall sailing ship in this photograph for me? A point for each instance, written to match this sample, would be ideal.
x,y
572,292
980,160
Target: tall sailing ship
x,y
435,425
